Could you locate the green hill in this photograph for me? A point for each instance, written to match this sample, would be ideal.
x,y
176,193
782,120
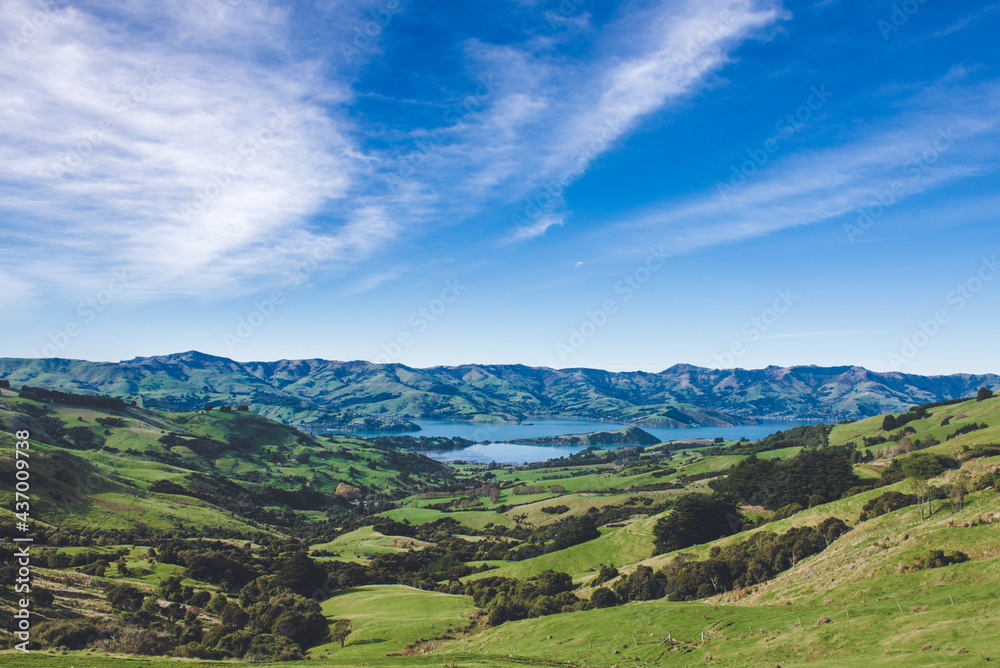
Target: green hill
x,y
224,471
192,534
359,395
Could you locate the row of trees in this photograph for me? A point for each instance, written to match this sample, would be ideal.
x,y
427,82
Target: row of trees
x,y
808,478
752,561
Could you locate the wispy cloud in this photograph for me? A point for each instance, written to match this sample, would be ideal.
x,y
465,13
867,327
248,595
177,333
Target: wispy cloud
x,y
544,129
536,228
191,143
173,139
942,141
965,21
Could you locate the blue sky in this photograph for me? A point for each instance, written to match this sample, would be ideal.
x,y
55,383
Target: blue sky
x,y
556,183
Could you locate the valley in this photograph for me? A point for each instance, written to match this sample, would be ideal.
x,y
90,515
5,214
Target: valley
x,y
191,534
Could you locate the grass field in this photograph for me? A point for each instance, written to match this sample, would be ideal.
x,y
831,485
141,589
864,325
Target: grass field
x,y
879,608
387,618
961,414
619,547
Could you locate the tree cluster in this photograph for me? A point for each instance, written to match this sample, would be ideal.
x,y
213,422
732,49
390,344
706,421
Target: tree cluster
x,y
825,473
803,436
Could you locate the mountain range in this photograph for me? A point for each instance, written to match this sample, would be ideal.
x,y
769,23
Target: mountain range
x,y
360,395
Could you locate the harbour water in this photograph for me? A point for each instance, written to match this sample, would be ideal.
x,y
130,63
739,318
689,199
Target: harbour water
x,y
503,452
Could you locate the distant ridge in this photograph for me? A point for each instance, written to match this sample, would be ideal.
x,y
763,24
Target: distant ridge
x,y
335,394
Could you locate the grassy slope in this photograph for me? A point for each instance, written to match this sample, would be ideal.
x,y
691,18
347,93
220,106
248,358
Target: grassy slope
x,y
856,576
387,618
854,583
983,411
472,519
73,493
620,546
356,544
111,490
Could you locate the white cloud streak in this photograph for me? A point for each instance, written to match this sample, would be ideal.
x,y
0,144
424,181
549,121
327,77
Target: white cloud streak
x,y
925,151
545,129
164,142
190,144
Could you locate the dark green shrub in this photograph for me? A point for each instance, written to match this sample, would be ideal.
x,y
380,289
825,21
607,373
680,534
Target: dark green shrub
x,y
887,503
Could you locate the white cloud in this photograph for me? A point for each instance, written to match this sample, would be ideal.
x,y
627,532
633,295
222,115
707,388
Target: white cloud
x,y
172,140
188,143
537,228
926,149
548,118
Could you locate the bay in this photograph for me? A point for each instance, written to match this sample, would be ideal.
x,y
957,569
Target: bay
x,y
503,452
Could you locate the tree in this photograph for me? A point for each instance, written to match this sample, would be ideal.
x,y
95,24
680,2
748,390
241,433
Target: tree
x,y
959,488
576,531
924,465
300,573
825,473
303,626
696,518
921,489
605,574
887,503
552,582
234,616
984,394
889,422
42,597
603,598
340,631
124,597
151,606
209,408
217,604
199,599
170,588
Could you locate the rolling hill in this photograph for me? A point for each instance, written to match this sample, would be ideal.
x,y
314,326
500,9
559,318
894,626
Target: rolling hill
x,y
360,395
106,468
204,513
